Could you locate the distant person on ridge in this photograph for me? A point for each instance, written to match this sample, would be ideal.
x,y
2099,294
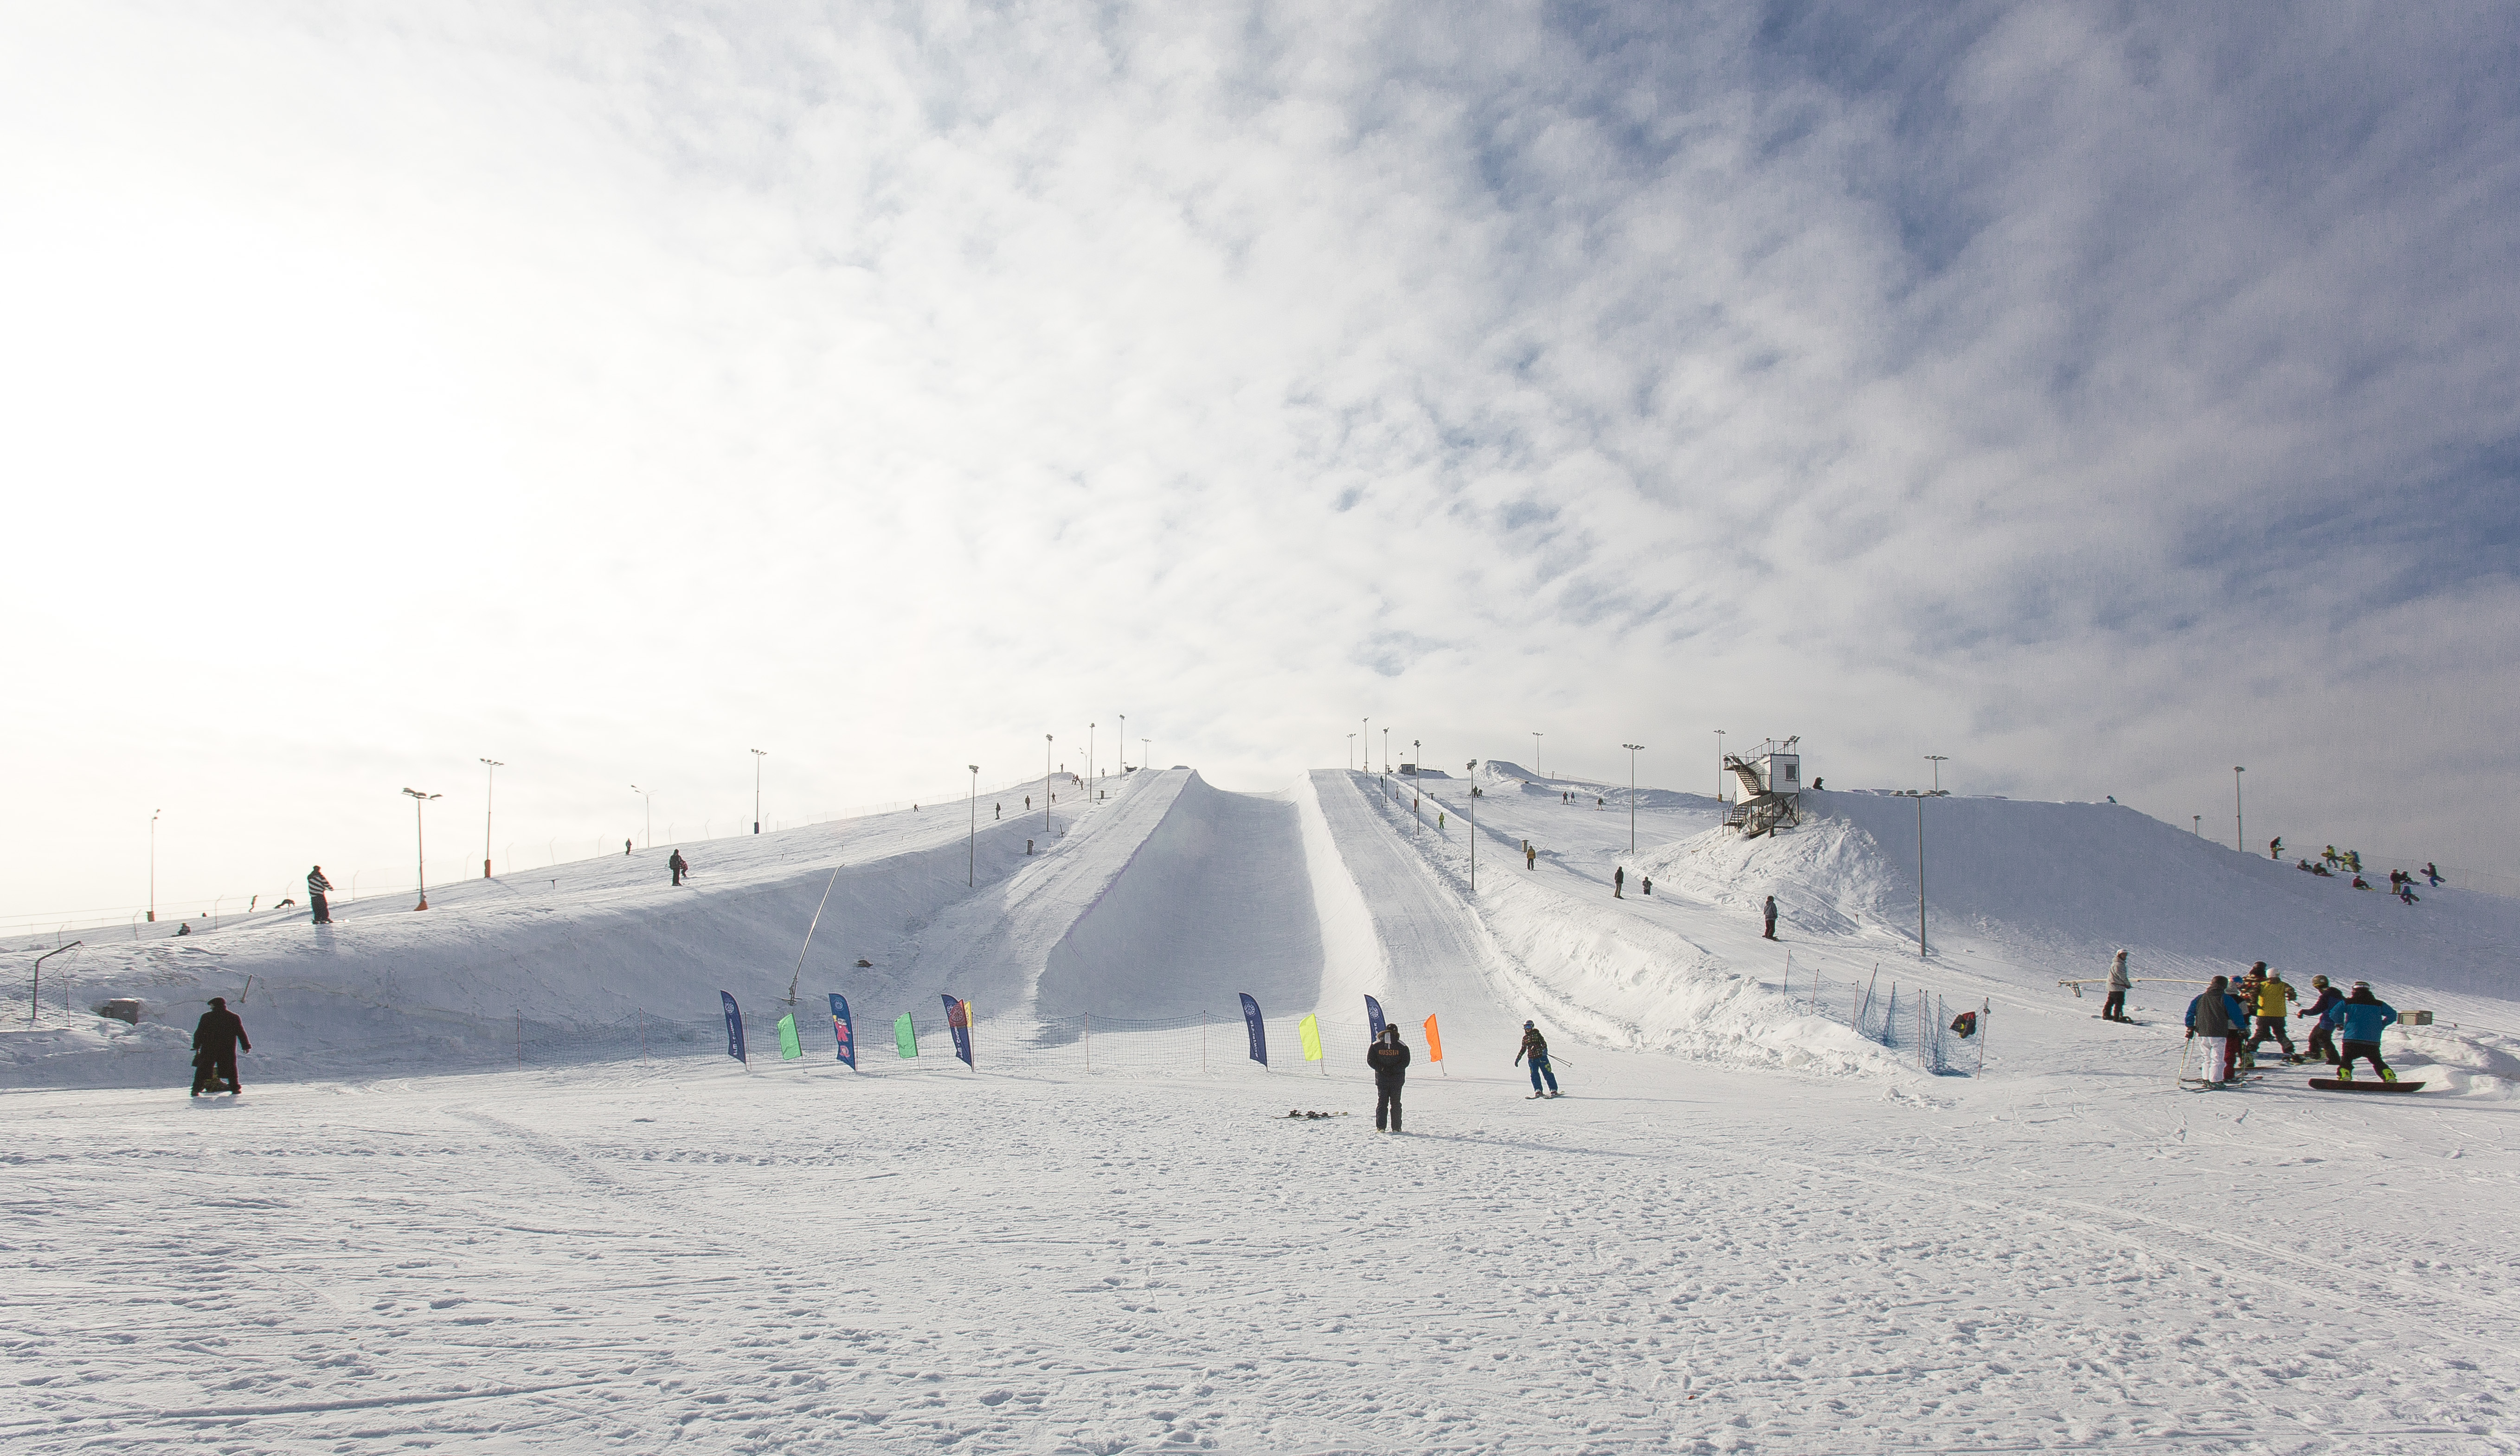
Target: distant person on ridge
x,y
679,865
2322,1037
1619,883
625,849
2120,983
316,887
216,1039
1649,884
1389,1059
1769,912
2209,1016
2274,848
2363,1017
1530,855
2432,874
1536,1047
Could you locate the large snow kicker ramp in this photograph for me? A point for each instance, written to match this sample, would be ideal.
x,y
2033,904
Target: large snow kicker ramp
x,y
1217,899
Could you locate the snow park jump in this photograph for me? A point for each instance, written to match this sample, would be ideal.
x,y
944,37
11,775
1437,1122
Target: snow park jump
x,y
1760,1151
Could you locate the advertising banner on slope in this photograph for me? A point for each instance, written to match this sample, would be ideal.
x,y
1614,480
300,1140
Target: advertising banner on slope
x,y
957,1020
1251,1023
1373,1019
905,1037
1310,1030
789,1048
733,1028
1434,1042
842,1031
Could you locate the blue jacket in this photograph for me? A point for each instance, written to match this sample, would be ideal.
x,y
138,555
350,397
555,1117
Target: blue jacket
x,y
2327,999
2362,1021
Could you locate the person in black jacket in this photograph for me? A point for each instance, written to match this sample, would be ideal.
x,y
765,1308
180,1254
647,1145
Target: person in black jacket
x,y
1389,1059
215,1044
679,867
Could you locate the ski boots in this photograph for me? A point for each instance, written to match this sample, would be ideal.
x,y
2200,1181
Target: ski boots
x,y
2388,1076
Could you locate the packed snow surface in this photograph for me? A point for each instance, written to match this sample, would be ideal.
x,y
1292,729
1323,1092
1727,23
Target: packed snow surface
x,y
493,1185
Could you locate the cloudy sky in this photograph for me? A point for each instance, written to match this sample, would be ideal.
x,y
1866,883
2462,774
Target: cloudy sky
x,y
2101,395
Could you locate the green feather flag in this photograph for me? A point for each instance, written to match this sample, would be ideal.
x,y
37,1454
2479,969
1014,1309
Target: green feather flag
x,y
789,1049
905,1037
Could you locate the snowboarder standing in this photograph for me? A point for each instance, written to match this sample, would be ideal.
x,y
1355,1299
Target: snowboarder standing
x,y
2363,1017
1768,912
1649,884
1534,1047
2273,993
625,849
2322,1036
1530,855
216,1039
2209,1016
1619,883
316,887
2432,874
1388,1056
2120,983
679,865
2274,848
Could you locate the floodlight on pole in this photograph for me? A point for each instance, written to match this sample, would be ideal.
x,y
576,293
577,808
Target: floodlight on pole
x,y
1045,741
489,793
972,847
1535,757
1938,760
1920,796
153,864
420,835
1718,766
1474,833
1351,753
1146,754
1632,750
1089,763
1420,814
2239,831
650,799
757,756
1124,742
1386,750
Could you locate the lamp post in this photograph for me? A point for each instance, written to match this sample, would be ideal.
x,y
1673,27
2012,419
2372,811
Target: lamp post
x,y
1920,796
1368,745
1718,766
650,800
489,791
2197,826
2239,831
1045,785
757,756
1351,753
972,845
1146,754
153,864
1089,765
1474,833
1387,751
1938,760
1632,750
1124,742
1420,814
419,837
1535,757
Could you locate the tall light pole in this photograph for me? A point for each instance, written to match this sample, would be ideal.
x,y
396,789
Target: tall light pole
x,y
488,793
1089,763
1535,757
1045,785
1920,796
1368,745
1386,750
1146,754
1718,766
972,847
1632,750
757,756
2197,828
2239,831
419,836
153,864
1124,742
1938,760
1474,833
650,800
1420,746
1351,753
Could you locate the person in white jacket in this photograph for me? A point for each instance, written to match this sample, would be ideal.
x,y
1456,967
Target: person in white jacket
x,y
2114,1008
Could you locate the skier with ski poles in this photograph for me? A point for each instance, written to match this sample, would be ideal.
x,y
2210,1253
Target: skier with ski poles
x,y
1388,1056
2363,1017
1536,1047
2322,1037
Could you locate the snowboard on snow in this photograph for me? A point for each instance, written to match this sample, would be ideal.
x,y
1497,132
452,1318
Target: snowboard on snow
x,y
2120,1020
2334,1085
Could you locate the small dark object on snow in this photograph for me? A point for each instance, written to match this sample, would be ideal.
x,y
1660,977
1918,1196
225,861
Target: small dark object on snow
x,y
1309,1116
2334,1085
863,963
1965,1024
120,1008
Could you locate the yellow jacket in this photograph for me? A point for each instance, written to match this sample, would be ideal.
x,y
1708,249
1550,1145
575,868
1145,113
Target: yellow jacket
x,y
2272,995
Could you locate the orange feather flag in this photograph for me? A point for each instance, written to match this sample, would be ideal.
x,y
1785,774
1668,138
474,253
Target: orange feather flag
x,y
1434,1042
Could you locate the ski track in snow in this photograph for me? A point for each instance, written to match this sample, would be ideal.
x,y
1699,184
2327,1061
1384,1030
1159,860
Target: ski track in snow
x,y
1745,1228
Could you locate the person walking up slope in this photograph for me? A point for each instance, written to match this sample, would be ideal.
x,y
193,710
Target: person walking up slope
x,y
2120,983
1536,1047
679,865
1388,1056
2363,1017
316,887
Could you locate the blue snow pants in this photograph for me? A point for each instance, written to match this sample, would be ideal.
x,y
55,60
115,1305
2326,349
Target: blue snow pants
x,y
1540,1068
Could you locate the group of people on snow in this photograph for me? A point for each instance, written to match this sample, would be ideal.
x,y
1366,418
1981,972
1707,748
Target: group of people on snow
x,y
2401,883
1388,1057
2243,1015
